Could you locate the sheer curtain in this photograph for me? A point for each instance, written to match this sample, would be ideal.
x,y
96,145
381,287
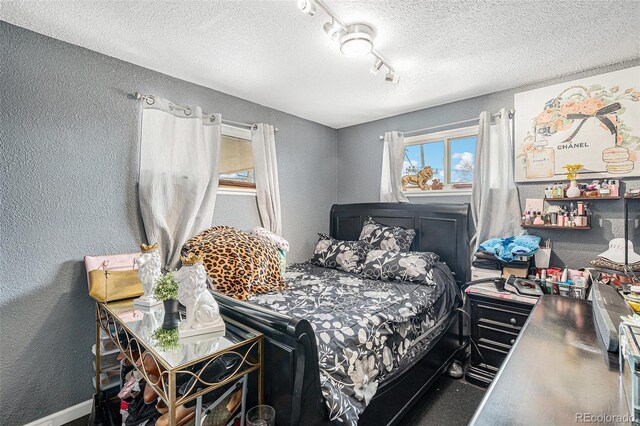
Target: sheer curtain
x,y
178,180
495,205
392,164
265,164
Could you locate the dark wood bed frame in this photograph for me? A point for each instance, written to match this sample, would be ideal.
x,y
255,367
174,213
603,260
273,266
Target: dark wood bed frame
x,y
291,373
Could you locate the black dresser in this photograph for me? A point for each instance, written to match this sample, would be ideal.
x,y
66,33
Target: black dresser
x,y
558,373
496,321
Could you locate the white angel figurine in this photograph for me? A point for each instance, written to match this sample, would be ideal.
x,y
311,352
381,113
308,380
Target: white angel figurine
x,y
149,271
202,311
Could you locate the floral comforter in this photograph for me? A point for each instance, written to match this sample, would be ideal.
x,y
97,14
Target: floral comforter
x,y
366,330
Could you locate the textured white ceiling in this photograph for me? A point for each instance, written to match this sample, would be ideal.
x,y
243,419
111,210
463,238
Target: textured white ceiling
x,y
270,53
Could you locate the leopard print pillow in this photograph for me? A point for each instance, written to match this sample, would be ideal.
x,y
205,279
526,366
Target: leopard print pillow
x,y
238,264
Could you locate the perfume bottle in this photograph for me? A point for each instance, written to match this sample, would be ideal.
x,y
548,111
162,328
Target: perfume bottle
x,y
540,161
548,193
558,191
538,219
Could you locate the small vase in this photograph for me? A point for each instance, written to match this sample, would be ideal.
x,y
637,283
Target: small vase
x,y
171,315
573,191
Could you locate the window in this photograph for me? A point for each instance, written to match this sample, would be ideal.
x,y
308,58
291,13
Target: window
x,y
450,154
236,158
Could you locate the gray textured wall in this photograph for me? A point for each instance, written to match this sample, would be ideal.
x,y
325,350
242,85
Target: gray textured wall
x,y
360,156
68,189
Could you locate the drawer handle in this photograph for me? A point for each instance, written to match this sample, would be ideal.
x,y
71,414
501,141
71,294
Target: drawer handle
x,y
512,341
513,321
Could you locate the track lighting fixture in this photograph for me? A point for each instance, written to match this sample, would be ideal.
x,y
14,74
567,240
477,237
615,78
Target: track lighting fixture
x,y
376,67
355,39
307,6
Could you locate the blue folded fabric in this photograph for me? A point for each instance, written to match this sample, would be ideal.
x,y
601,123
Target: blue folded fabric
x,y
506,249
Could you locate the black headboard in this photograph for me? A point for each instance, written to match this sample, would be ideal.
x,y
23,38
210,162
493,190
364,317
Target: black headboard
x,y
444,229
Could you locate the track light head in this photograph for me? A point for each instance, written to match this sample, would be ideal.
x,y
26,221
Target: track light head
x,y
376,67
391,77
333,30
307,6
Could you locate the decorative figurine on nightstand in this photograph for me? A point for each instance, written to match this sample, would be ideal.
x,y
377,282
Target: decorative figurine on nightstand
x,y
148,271
203,314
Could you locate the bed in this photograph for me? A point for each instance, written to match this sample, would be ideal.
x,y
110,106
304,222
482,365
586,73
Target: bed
x,y
411,331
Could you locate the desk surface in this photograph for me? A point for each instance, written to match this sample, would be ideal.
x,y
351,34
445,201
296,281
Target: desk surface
x,y
557,369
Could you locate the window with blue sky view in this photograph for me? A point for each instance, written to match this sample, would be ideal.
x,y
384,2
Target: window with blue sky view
x,y
460,152
462,158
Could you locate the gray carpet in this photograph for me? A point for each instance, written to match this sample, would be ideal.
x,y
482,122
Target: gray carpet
x,y
448,402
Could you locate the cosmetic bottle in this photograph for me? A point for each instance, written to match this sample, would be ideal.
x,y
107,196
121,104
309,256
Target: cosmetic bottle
x,y
614,186
548,193
538,220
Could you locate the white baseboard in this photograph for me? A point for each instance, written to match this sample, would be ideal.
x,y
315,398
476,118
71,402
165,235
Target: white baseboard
x,y
65,416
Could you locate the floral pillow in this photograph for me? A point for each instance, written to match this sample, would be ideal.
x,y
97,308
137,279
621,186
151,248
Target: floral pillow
x,y
389,265
383,237
347,256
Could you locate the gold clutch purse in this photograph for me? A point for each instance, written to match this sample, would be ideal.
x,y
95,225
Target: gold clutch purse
x,y
113,277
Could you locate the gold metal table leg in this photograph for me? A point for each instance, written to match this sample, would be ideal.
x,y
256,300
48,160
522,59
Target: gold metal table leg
x,y
171,396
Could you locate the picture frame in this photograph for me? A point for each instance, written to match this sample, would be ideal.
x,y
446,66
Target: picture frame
x,y
594,121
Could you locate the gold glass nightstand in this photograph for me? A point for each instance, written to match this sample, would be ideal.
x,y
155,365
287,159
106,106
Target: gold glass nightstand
x,y
180,360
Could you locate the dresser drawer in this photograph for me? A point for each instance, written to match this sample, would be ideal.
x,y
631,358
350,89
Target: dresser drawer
x,y
497,335
491,355
510,318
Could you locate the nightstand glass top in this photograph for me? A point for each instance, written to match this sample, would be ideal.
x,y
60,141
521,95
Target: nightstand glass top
x,y
145,324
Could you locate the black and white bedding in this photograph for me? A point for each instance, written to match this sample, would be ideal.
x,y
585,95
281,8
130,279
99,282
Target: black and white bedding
x,y
366,330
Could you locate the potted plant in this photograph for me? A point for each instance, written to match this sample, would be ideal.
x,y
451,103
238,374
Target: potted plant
x,y
572,174
167,291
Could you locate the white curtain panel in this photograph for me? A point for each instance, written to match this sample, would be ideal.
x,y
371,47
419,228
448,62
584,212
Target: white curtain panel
x,y
392,164
178,179
265,164
495,204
